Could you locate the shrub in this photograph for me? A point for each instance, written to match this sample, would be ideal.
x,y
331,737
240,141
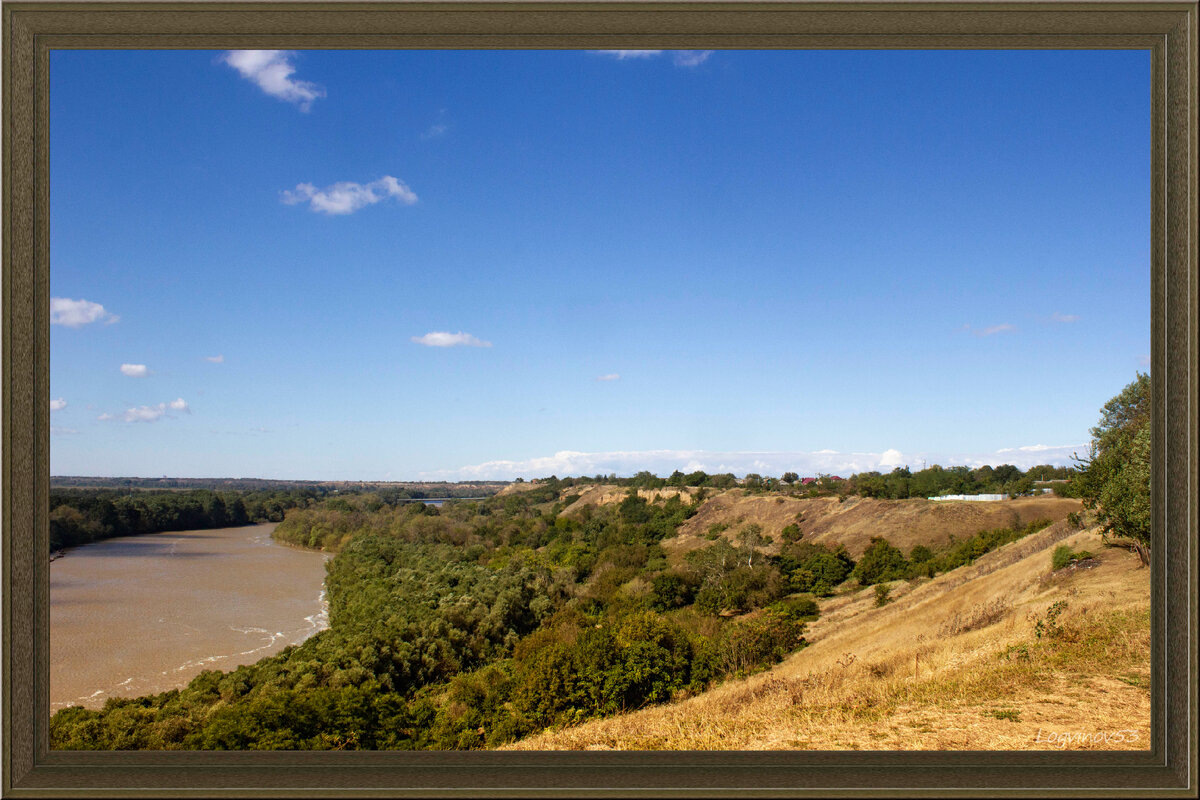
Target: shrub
x,y
815,568
1049,626
881,562
747,645
674,590
791,533
1064,557
920,554
715,530
882,594
796,608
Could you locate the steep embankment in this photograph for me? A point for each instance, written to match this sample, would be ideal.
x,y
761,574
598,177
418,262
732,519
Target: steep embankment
x,y
852,522
826,520
952,663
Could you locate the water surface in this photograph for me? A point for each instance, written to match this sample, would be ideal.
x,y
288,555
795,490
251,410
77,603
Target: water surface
x,y
137,615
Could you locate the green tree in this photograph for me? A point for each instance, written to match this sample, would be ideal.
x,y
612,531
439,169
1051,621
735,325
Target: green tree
x,y
1115,480
881,562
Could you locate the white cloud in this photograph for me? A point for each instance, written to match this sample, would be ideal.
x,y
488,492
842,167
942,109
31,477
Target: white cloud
x,y
621,55
807,463
612,376
347,197
135,370
444,339
148,413
681,58
691,58
991,330
272,71
58,405
145,413
56,430
1057,317
77,313
215,359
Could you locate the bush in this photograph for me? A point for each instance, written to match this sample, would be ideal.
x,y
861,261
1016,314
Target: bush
x,y
747,645
1064,557
803,608
815,568
673,590
882,594
881,562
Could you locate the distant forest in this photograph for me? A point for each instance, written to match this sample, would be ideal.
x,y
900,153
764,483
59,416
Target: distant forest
x,y
415,488
111,507
899,484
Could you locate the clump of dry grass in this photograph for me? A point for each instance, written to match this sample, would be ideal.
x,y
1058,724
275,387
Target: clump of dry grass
x,y
980,615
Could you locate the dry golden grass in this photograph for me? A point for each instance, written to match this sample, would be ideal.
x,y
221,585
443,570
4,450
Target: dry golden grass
x,y
953,663
852,523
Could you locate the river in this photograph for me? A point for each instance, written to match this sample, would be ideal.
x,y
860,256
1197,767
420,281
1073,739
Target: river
x,y
138,615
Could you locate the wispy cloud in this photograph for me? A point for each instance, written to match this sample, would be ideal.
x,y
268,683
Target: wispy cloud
x,y
58,430
1057,317
1144,360
680,58
272,71
612,376
215,359
435,131
807,463
691,58
77,313
148,413
444,339
347,197
58,405
992,330
135,370
622,55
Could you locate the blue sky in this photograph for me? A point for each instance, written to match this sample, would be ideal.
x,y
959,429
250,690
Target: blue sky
x,y
455,265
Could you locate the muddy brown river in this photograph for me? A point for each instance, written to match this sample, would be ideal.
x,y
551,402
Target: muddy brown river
x,y
143,614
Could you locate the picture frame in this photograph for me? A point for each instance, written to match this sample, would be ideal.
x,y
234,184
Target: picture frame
x,y
1168,30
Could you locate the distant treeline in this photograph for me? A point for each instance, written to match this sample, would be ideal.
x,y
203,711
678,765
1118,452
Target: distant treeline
x,y
79,516
415,489
899,484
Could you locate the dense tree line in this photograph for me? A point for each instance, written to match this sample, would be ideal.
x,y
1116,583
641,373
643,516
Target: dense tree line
x,y
899,484
79,516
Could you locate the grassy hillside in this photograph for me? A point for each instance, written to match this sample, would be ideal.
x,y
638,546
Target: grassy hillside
x,y
826,520
1001,654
